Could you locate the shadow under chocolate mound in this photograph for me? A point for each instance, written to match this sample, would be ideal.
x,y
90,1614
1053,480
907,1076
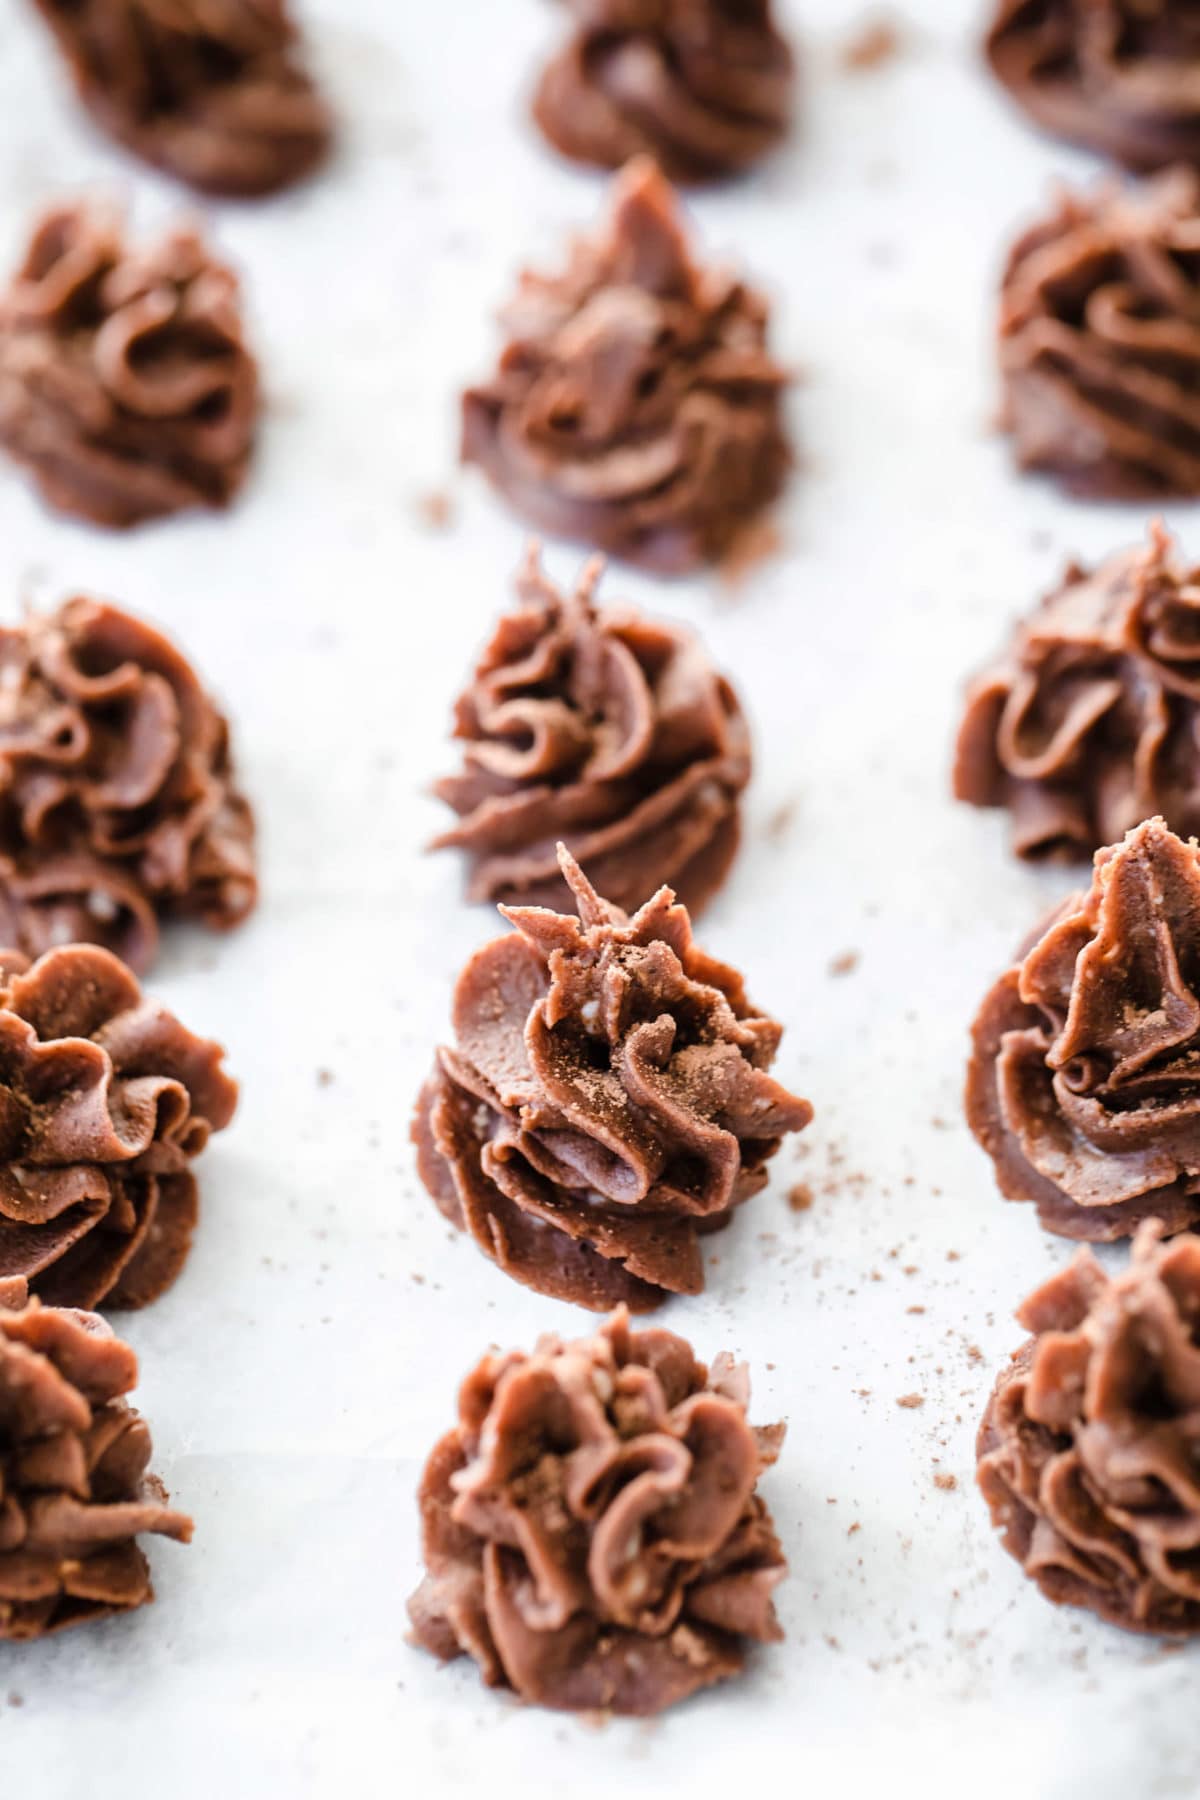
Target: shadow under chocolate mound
x,y
1089,1447
1084,1079
591,1529
636,407
606,1103
604,730
1099,341
211,91
1116,76
1089,722
706,87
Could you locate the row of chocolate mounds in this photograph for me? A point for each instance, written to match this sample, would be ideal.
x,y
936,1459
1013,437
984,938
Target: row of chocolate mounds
x,y
218,95
636,406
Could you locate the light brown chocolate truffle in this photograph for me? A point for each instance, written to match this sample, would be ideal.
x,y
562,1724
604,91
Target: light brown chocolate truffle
x,y
636,407
126,387
1082,1085
1090,720
591,1527
1090,1446
703,86
1100,341
606,730
105,1102
74,1492
118,801
212,91
1118,76
606,1102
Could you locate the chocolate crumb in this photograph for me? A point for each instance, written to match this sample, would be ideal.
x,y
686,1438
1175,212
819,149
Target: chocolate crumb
x,y
436,510
911,1400
800,1197
324,1078
947,1483
874,43
845,963
781,821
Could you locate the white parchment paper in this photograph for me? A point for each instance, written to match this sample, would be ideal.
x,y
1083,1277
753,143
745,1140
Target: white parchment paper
x,y
310,1354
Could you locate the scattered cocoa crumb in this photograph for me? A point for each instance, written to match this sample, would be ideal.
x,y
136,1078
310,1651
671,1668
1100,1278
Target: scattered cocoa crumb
x,y
911,1400
781,821
853,1528
974,1353
324,1077
435,509
845,963
876,42
953,1256
16,1699
800,1197
419,1279
947,1483
914,1309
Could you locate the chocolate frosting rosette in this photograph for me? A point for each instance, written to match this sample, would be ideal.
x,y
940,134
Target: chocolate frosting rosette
x,y
118,801
636,406
1084,1080
591,1527
605,1104
1119,76
74,1492
212,91
1090,1447
106,1100
1099,341
606,730
126,386
1090,720
703,86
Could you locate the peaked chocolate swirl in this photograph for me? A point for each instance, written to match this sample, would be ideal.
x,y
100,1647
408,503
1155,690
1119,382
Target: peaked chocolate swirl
x,y
591,1527
1090,721
212,91
74,1493
1084,1083
703,86
1089,1449
126,387
607,731
636,407
1119,76
105,1102
1100,341
117,794
607,1101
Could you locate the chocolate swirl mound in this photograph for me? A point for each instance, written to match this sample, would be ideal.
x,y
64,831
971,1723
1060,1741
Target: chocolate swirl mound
x,y
1118,76
1090,721
105,1102
606,1103
1100,341
1084,1080
607,731
126,387
591,1527
74,1492
212,91
703,86
117,795
1090,1446
636,407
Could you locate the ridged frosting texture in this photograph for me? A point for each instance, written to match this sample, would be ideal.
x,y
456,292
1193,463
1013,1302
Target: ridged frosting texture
x,y
212,91
636,406
74,1492
606,1101
1089,1453
126,386
105,1102
591,1527
1088,722
1100,341
118,800
1082,1082
603,729
703,86
1119,76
